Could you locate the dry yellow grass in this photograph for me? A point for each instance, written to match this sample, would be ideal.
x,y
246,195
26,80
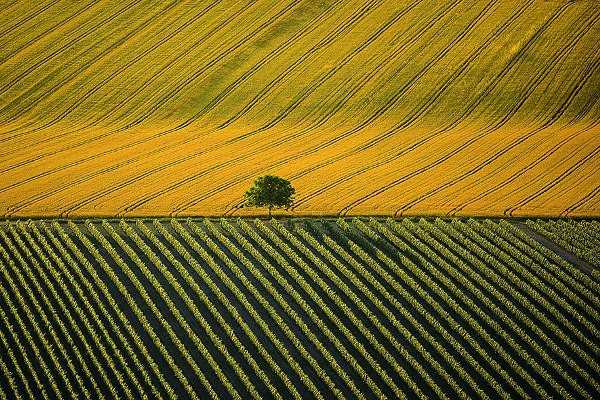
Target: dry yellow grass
x,y
368,107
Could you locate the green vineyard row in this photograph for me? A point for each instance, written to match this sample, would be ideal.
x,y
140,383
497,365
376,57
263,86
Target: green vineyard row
x,y
353,308
582,239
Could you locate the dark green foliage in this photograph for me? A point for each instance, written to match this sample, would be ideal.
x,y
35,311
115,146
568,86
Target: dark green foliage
x,y
359,308
270,191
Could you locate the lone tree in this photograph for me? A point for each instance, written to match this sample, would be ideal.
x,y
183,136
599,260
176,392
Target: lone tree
x,y
270,191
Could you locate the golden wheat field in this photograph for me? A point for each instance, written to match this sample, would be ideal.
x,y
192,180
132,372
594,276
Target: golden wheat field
x,y
367,106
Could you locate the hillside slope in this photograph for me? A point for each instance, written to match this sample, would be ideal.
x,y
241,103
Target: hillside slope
x,y
368,107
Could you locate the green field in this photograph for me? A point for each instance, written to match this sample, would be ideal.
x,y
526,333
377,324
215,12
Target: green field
x,y
356,308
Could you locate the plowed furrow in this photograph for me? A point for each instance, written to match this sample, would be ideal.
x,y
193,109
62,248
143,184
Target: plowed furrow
x,y
180,58
241,178
594,193
506,182
165,189
187,180
328,40
211,64
379,62
546,68
346,25
27,18
487,162
266,90
501,76
8,6
81,179
89,93
113,75
89,141
494,157
495,126
310,88
6,56
163,95
62,49
313,87
421,109
393,131
591,157
490,190
76,72
301,97
370,106
587,107
410,84
38,157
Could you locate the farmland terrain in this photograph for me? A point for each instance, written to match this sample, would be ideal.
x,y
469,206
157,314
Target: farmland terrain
x,y
323,309
455,107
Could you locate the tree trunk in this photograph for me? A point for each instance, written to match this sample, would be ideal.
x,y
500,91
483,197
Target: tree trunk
x,y
270,207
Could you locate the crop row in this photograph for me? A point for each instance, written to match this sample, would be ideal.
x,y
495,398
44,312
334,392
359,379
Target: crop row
x,y
582,238
359,308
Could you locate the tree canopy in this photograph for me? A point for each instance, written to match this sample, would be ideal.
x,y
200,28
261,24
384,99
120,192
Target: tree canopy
x,y
270,191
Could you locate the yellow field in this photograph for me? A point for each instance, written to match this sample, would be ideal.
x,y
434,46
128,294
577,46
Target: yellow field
x,y
367,106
